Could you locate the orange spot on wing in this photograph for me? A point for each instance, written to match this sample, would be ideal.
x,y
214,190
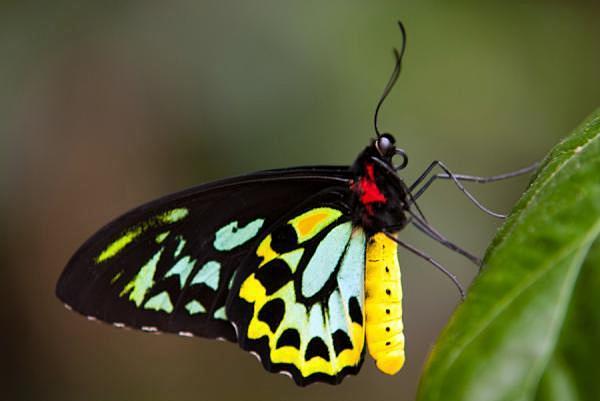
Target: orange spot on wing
x,y
307,224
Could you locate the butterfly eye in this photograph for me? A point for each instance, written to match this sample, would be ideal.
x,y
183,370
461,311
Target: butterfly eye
x,y
385,145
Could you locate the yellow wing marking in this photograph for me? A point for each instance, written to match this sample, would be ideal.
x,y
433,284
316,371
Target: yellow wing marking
x,y
265,251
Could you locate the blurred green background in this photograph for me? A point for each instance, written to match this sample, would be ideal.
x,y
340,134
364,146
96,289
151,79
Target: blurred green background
x,y
105,105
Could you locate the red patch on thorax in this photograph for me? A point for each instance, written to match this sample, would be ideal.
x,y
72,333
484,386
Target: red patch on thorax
x,y
369,191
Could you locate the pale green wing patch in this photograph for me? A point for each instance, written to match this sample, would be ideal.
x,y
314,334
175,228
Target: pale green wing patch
x,y
161,237
208,275
194,307
182,268
231,236
220,314
160,302
143,281
323,263
180,245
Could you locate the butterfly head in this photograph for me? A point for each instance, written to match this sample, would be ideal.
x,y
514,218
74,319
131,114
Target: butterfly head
x,y
386,147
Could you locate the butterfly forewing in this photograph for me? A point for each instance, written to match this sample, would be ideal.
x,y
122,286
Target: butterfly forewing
x,y
169,265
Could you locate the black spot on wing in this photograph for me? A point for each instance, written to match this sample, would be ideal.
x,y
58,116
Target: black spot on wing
x,y
355,311
289,338
341,341
272,313
284,239
274,275
316,347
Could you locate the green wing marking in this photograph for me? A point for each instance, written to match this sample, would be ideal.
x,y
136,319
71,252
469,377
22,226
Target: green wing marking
x,y
161,237
231,236
143,281
208,275
171,216
220,314
161,301
182,268
194,307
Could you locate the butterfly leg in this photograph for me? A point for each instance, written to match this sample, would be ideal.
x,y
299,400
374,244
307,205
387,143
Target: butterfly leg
x,y
457,178
423,226
428,258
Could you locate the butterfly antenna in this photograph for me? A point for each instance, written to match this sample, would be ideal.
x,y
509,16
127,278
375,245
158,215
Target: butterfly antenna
x,y
393,78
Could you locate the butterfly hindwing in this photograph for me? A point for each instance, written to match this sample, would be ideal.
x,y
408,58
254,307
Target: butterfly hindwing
x,y
298,304
169,265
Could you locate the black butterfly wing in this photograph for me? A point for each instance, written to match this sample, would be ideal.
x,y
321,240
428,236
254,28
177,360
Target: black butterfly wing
x,y
298,301
168,265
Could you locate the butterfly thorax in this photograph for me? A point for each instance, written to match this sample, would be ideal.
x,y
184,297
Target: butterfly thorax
x,y
379,196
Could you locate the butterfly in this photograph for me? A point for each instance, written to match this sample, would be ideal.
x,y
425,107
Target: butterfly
x,y
299,266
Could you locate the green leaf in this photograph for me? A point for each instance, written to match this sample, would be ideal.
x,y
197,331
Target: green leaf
x,y
573,370
530,326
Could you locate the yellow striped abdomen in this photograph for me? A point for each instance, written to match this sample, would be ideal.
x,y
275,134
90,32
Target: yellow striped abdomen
x,y
383,304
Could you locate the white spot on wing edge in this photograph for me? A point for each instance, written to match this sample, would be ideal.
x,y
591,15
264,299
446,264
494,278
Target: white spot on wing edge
x,y
186,334
256,355
119,325
149,329
68,307
221,339
286,373
91,318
